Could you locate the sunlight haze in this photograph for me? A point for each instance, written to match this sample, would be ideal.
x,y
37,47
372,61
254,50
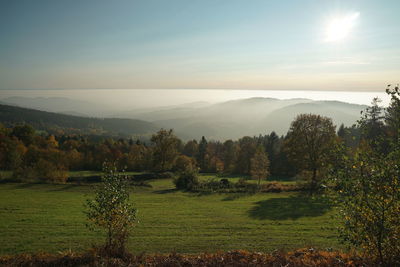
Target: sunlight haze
x,y
268,45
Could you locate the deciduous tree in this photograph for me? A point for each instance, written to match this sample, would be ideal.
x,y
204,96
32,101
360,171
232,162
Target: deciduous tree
x,y
165,150
259,165
111,210
309,144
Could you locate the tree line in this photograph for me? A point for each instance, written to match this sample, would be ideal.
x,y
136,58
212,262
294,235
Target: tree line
x,y
26,151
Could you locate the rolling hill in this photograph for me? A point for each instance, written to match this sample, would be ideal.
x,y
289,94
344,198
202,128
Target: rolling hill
x,y
48,121
253,116
226,120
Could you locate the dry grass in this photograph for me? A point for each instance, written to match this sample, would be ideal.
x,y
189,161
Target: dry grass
x,y
301,257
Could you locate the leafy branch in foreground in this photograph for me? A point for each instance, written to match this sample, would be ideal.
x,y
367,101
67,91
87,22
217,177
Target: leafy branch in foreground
x,y
110,209
368,194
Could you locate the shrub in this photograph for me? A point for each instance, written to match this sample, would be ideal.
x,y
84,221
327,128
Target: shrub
x,y
110,209
243,186
368,194
222,185
187,180
276,187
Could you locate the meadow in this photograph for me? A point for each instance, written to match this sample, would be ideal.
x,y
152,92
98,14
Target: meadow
x,y
50,217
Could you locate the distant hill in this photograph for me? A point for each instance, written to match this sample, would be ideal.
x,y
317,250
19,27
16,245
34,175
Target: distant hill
x,y
252,116
42,120
60,105
226,120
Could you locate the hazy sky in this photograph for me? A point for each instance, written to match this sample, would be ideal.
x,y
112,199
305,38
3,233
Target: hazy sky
x,y
275,45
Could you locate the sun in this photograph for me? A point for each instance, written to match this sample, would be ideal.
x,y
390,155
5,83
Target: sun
x,y
340,27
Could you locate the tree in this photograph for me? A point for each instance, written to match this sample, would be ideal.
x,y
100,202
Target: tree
x,y
367,190
184,163
309,144
272,145
371,122
392,116
230,155
25,133
342,131
202,153
259,165
247,148
110,209
165,150
191,149
138,158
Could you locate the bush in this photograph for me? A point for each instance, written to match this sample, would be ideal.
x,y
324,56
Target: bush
x,y
368,195
111,210
243,186
187,180
276,187
222,185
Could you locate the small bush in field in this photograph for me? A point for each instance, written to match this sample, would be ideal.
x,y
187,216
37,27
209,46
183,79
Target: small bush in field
x,y
276,187
110,209
187,180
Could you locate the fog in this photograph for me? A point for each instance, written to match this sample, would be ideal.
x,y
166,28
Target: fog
x,y
123,99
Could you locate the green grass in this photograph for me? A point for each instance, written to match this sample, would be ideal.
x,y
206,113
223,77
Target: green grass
x,y
41,217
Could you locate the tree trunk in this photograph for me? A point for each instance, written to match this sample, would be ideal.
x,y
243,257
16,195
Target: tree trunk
x,y
313,181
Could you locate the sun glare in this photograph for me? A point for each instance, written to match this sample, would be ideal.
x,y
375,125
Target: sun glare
x,y
340,27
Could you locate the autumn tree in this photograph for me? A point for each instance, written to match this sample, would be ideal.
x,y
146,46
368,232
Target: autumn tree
x,y
259,168
138,157
309,144
165,150
184,163
191,149
247,148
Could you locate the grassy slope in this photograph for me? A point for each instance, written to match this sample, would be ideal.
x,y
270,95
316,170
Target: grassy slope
x,y
36,217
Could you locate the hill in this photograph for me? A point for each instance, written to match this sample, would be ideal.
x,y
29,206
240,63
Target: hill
x,y
221,121
49,121
252,116
60,105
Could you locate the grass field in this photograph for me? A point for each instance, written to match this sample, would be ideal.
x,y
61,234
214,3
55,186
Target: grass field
x,y
43,217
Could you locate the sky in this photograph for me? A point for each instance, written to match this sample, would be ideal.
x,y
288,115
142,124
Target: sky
x,y
178,44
